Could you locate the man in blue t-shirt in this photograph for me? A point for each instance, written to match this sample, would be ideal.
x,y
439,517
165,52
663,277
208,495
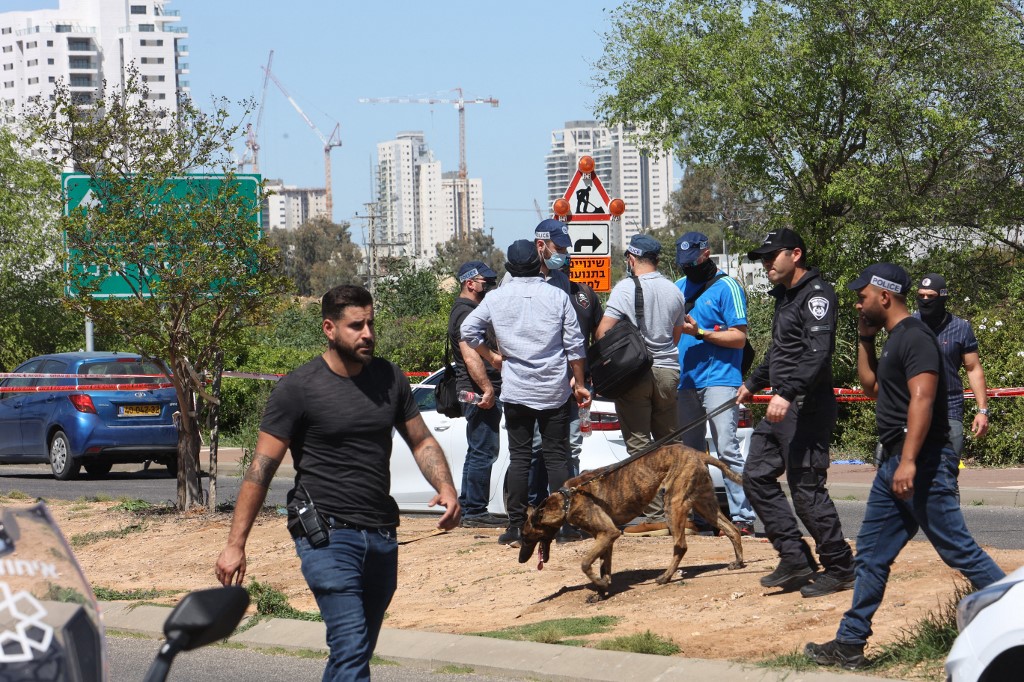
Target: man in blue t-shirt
x,y
710,359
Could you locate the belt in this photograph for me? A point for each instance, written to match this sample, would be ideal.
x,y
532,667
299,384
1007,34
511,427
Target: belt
x,y
886,451
338,524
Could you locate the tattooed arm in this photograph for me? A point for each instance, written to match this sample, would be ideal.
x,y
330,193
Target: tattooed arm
x,y
270,451
430,459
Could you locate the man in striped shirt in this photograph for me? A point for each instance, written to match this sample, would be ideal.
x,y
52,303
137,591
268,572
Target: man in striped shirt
x,y
959,347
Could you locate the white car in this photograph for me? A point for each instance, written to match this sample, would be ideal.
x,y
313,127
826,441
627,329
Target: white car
x,y
990,647
604,446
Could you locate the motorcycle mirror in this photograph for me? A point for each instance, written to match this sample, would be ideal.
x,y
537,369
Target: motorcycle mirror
x,y
205,616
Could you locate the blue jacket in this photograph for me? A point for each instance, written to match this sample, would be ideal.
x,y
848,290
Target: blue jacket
x,y
703,364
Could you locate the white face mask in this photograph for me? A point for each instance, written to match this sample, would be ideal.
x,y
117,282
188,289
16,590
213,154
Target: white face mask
x,y
555,261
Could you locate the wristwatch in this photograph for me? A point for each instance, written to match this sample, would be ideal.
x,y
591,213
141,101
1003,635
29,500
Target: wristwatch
x,y
983,410
699,335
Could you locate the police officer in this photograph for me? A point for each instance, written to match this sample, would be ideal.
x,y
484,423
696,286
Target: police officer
x,y
795,434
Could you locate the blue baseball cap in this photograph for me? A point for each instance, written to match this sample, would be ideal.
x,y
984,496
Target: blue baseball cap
x,y
556,231
689,248
475,268
886,276
643,245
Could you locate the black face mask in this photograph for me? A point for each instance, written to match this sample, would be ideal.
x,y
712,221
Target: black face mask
x,y
933,310
702,272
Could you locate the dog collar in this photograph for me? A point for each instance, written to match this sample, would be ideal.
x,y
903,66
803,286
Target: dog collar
x,y
567,496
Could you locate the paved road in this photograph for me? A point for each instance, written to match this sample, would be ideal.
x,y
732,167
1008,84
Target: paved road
x,y
130,658
1001,527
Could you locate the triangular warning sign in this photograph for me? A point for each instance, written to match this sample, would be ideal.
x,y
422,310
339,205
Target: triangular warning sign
x,y
586,203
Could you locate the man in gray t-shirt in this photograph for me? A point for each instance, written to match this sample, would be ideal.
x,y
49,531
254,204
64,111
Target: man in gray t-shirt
x,y
647,411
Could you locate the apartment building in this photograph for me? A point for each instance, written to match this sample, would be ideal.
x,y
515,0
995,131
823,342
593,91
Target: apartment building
x,y
289,206
418,203
643,182
83,43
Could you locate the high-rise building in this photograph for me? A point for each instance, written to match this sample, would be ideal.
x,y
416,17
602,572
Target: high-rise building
x,y
643,182
288,206
87,42
418,204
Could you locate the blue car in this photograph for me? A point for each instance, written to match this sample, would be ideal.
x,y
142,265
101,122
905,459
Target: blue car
x,y
76,426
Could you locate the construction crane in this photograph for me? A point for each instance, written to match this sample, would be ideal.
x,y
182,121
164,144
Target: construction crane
x,y
329,142
536,207
459,103
252,133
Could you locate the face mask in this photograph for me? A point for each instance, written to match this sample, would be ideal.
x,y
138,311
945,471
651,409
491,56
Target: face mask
x,y
556,260
629,269
489,285
702,272
933,310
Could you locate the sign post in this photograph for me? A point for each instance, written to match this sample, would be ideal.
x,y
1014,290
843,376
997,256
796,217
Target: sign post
x,y
589,226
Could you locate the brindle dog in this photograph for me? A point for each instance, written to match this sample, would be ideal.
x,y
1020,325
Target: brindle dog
x,y
598,502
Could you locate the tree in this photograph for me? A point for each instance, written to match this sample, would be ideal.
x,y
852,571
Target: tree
x,y
477,246
199,255
866,125
318,255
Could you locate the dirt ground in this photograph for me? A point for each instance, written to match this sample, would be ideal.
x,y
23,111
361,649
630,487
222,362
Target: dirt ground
x,y
463,581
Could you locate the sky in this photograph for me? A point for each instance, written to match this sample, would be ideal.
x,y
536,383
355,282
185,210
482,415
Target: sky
x,y
535,56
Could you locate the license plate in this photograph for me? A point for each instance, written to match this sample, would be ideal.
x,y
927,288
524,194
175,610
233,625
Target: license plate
x,y
138,410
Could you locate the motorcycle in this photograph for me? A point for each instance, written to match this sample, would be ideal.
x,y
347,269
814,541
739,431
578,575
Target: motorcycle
x,y
50,624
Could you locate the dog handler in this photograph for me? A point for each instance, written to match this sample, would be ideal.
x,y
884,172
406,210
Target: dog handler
x,y
795,434
336,413
915,484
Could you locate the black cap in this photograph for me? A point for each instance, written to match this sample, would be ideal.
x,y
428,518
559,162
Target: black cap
x,y
886,276
523,260
777,241
935,282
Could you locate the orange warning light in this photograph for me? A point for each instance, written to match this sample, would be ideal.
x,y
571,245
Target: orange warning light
x,y
587,165
561,208
617,207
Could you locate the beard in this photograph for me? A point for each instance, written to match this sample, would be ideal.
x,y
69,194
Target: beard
x,y
873,318
361,353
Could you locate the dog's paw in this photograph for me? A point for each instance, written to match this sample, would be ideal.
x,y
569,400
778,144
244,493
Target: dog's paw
x,y
597,597
736,565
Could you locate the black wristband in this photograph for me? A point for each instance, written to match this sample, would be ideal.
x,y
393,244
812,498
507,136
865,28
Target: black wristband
x,y
868,339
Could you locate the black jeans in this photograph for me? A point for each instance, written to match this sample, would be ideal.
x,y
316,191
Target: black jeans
x,y
797,446
520,422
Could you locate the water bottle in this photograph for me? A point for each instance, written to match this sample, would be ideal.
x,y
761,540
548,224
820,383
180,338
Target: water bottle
x,y
470,397
585,426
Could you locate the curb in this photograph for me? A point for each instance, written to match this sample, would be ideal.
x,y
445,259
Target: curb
x,y
989,497
485,655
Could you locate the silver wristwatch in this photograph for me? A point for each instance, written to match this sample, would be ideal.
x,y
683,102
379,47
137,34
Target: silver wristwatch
x,y
983,410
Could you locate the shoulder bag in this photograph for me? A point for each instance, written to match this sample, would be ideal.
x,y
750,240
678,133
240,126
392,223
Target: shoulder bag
x,y
446,393
620,358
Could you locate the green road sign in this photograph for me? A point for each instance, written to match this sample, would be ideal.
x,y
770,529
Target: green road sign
x,y
81,192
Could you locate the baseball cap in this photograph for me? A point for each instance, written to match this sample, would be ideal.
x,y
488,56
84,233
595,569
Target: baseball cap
x,y
642,245
522,259
556,231
886,276
689,247
475,268
777,241
935,282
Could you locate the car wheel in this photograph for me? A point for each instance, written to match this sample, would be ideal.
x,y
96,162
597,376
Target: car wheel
x,y
64,467
172,467
98,468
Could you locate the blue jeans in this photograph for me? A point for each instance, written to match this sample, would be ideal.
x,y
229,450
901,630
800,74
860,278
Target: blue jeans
x,y
482,443
890,523
692,403
956,436
353,579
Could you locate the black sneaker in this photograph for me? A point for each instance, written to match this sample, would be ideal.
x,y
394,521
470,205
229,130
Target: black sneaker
x,y
846,656
785,574
484,521
569,534
511,537
828,582
744,528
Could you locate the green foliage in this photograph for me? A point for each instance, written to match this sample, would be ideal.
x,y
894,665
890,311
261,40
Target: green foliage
x,y
478,246
83,539
865,126
408,291
272,603
318,255
556,631
132,505
200,255
138,594
645,642
63,593
416,344
928,640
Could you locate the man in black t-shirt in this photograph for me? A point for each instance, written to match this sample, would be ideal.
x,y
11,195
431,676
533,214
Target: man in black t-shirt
x,y
915,485
483,420
336,413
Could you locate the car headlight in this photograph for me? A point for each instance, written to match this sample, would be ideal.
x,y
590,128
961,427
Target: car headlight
x,y
973,604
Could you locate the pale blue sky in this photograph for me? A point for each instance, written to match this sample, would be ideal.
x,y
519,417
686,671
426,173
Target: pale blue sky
x,y
535,56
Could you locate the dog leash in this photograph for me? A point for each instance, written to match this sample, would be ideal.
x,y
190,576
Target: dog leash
x,y
653,446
